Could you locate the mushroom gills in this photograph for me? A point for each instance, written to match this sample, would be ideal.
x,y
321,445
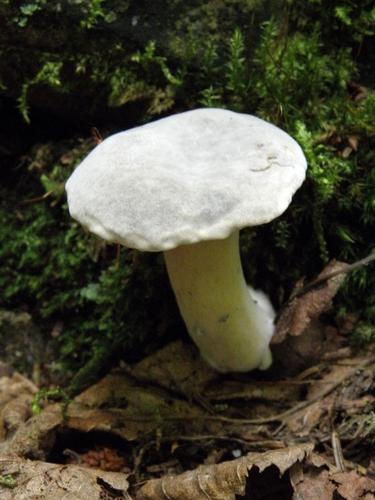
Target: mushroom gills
x,y
231,323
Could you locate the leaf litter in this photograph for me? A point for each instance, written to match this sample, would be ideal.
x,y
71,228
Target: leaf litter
x,y
169,427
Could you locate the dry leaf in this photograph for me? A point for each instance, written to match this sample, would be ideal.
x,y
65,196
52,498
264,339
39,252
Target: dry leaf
x,y
16,394
304,421
298,314
352,486
353,141
314,481
177,366
13,386
357,91
346,152
14,413
37,480
222,481
133,408
116,404
35,437
313,486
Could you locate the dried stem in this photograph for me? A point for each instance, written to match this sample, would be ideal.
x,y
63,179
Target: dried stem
x,y
323,279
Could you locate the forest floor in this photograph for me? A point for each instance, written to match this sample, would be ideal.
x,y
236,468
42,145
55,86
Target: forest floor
x,y
169,427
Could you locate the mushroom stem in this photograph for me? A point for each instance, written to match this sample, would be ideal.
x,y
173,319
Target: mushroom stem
x,y
230,328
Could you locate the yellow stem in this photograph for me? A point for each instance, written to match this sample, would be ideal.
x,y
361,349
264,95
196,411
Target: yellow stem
x,y
230,329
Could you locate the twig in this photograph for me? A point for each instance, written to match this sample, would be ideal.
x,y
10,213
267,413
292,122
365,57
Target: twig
x,y
269,443
118,255
319,281
265,420
138,460
337,451
38,198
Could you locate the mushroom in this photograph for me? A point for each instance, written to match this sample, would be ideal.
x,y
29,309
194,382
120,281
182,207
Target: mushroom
x,y
186,185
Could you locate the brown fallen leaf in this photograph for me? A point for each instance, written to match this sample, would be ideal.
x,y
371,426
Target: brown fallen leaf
x,y
302,422
316,479
16,394
313,485
222,481
35,437
177,367
117,404
346,152
15,412
302,309
353,141
357,91
14,385
353,486
28,479
128,404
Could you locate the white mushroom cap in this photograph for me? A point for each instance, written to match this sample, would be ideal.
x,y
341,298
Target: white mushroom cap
x,y
193,176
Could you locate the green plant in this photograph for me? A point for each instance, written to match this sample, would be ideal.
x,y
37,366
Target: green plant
x,y
49,74
27,10
8,481
54,394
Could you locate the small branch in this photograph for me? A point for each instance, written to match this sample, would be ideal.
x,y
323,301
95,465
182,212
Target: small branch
x,y
269,443
266,420
118,255
38,198
319,281
337,451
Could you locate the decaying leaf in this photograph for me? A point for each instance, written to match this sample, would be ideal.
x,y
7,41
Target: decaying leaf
x,y
135,407
323,400
117,404
179,368
353,141
314,485
176,367
221,481
311,481
16,394
300,310
156,421
352,486
35,437
32,479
